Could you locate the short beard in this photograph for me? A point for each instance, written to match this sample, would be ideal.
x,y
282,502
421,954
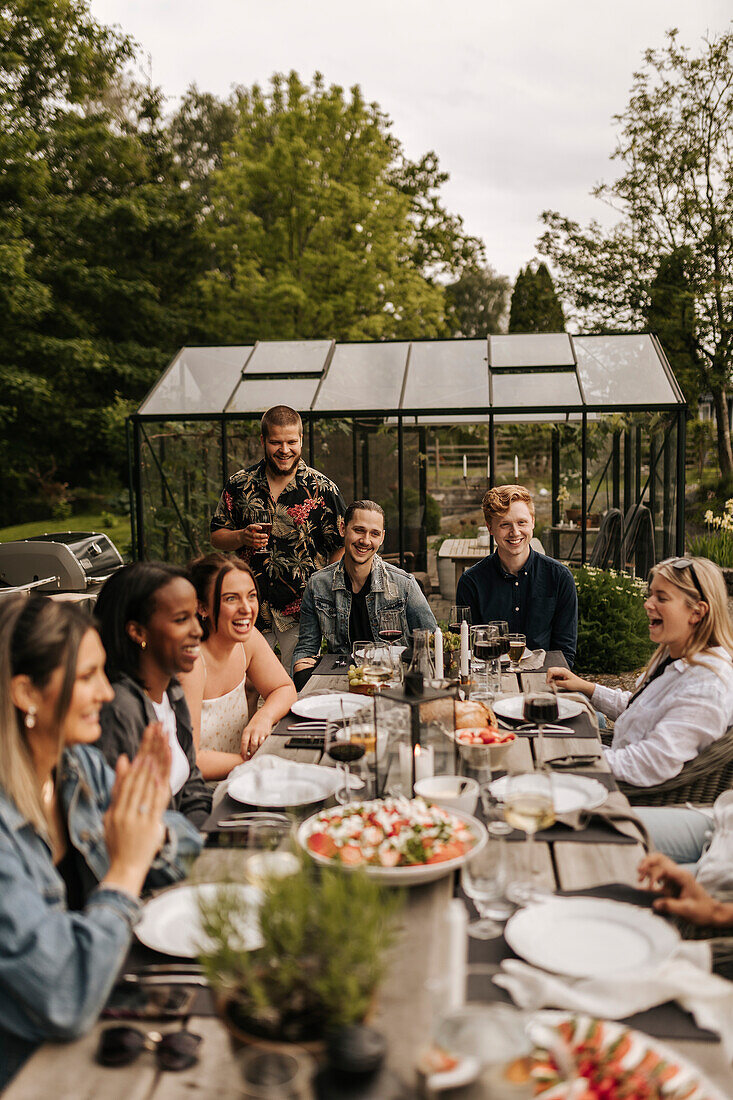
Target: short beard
x,y
275,469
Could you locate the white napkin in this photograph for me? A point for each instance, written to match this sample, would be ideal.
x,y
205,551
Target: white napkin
x,y
685,977
287,771
534,662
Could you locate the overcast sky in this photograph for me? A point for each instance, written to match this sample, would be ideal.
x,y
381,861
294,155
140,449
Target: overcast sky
x,y
516,98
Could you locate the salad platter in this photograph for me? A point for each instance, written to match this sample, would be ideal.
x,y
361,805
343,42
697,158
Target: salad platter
x,y
604,1060
395,840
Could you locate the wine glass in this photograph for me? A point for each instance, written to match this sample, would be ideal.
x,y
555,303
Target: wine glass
x,y
487,656
358,651
344,747
390,627
378,666
502,627
517,645
484,881
458,614
540,709
528,805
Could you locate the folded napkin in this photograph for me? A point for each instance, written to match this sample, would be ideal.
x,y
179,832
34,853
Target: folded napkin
x,y
685,977
616,812
535,662
286,772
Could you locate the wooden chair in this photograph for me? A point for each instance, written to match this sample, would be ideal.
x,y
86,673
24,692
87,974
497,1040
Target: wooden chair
x,y
701,780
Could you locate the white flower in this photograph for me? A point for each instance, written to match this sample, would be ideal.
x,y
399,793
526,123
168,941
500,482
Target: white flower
x,y
709,516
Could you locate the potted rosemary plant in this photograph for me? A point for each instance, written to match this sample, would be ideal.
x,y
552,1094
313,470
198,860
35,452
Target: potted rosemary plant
x,y
325,935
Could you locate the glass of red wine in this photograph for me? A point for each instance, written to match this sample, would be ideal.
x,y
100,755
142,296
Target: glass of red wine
x,y
503,629
345,748
540,709
390,627
487,655
458,615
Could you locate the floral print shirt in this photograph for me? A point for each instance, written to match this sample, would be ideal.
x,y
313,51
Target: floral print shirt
x,y
304,533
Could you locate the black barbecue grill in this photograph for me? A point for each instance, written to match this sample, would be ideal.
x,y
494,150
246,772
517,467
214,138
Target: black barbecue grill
x,y
72,561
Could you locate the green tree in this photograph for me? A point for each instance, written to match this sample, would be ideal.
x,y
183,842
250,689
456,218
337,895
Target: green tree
x,y
671,315
674,192
476,304
535,307
318,226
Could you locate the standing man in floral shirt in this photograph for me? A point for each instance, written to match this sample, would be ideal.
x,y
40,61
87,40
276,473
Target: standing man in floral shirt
x,y
303,507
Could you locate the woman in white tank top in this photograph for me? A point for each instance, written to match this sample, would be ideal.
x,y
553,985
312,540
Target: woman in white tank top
x,y
233,655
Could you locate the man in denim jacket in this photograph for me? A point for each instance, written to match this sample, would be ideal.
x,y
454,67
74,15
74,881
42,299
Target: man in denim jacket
x,y
346,602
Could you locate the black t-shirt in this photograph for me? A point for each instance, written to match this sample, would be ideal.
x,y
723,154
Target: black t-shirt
x,y
360,627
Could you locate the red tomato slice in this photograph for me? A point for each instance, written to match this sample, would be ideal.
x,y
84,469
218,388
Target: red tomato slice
x,y
322,844
351,855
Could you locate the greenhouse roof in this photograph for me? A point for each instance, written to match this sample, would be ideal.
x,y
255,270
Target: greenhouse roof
x,y
531,377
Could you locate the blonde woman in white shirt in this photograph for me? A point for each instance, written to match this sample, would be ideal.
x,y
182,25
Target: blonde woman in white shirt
x,y
684,700
233,655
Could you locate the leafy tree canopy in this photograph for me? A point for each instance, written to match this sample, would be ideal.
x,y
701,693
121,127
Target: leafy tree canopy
x,y
535,306
476,304
673,197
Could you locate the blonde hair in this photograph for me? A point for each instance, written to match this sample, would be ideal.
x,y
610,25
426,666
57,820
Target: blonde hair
x,y
714,628
498,501
37,636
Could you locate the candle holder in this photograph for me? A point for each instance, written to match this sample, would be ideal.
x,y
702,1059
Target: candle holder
x,y
418,720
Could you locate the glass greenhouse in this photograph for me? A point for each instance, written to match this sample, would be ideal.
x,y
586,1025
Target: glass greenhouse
x,y
602,415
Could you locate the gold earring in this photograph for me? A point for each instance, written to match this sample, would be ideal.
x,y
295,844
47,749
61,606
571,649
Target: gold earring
x,y
143,644
30,718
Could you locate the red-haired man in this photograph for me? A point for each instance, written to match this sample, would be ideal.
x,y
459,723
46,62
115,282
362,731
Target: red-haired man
x,y
535,594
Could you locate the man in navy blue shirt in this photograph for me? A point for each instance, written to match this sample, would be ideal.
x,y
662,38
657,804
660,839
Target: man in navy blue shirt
x,y
535,594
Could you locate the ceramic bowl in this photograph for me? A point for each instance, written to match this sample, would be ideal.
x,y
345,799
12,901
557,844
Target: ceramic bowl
x,y
452,792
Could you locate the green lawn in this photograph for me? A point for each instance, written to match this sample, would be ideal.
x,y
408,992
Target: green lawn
x,y
118,530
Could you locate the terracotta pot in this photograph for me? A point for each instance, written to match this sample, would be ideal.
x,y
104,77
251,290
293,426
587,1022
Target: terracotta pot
x,y
239,1037
574,515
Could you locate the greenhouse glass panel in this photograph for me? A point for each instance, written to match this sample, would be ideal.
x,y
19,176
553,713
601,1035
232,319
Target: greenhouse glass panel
x,y
542,390
447,374
622,370
531,350
258,394
199,380
289,357
364,376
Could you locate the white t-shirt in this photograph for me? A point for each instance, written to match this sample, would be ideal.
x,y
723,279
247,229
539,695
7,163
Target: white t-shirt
x,y
180,769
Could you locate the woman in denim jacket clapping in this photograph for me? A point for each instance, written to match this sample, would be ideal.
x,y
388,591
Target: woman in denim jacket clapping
x,y
78,842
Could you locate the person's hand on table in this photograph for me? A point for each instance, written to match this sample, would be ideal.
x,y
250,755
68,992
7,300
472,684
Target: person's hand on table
x,y
253,537
681,895
256,731
566,680
304,662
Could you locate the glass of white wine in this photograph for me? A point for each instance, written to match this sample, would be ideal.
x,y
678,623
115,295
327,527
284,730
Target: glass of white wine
x,y
528,805
378,667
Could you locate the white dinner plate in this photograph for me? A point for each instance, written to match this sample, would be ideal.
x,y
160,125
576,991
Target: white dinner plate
x,y
570,793
289,786
324,707
512,706
171,922
399,876
590,937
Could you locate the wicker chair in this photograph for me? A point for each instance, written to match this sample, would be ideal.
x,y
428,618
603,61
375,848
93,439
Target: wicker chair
x,y
701,780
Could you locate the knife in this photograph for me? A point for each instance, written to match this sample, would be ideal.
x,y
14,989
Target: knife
x,y
164,979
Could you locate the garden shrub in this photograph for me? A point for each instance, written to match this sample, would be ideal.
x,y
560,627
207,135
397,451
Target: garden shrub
x,y
613,629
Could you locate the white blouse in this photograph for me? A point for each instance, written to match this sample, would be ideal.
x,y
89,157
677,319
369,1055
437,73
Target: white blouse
x,y
681,712
180,769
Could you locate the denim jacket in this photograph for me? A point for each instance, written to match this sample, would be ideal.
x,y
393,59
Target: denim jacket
x,y
326,607
57,966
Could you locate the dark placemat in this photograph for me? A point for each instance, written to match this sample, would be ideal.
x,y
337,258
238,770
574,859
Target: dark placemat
x,y
140,956
666,1021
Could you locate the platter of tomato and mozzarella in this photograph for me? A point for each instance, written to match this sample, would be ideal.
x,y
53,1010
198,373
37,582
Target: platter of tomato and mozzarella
x,y
398,840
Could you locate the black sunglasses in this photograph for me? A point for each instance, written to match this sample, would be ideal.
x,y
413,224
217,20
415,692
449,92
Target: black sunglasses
x,y
120,1046
685,563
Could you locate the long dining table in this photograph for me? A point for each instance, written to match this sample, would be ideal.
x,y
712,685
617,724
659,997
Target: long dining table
x,y
405,1007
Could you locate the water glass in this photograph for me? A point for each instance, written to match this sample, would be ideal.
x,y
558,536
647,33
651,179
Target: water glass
x,y
484,881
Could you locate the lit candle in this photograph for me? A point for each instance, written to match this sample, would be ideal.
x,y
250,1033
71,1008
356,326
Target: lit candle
x,y
456,919
464,648
465,467
424,761
438,653
488,467
516,468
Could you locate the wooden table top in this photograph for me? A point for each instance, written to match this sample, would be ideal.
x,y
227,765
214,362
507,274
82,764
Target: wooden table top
x,y
403,1005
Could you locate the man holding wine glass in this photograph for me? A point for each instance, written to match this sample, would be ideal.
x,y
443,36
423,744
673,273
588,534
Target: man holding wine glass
x,y
282,518
358,598
533,593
